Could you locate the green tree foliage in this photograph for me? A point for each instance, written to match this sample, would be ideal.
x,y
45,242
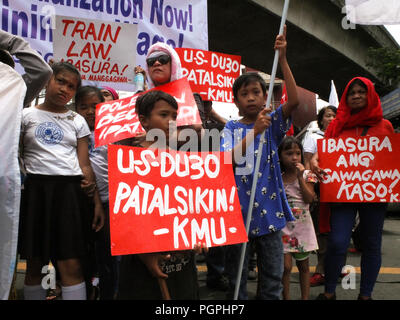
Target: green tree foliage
x,y
386,62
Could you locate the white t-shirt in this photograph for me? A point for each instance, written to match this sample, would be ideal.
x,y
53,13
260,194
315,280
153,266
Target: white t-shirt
x,y
50,141
310,144
99,160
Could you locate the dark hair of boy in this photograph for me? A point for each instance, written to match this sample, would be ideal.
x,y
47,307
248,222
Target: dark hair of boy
x,y
286,144
145,103
246,79
85,90
321,113
66,66
6,58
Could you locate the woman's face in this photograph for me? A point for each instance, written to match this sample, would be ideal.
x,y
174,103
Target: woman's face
x,y
329,115
159,72
107,95
357,98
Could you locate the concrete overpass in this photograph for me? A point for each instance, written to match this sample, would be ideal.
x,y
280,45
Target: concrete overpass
x,y
319,48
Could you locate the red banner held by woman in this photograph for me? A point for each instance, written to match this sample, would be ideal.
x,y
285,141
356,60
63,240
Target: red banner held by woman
x,y
362,169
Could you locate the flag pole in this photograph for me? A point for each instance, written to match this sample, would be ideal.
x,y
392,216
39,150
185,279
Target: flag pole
x,y
257,166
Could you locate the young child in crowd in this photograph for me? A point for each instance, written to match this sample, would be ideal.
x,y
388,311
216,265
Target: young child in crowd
x,y
139,273
86,99
54,222
319,210
271,210
299,237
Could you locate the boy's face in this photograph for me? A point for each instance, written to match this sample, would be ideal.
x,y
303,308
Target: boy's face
x,y
160,117
250,99
87,108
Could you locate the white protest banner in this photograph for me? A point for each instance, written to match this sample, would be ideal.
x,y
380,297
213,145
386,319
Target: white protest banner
x,y
100,50
12,94
180,23
362,169
373,12
163,200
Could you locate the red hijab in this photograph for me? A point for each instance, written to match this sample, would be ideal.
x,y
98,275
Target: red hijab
x,y
368,116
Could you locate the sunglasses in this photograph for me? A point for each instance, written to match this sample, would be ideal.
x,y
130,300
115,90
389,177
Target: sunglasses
x,y
163,59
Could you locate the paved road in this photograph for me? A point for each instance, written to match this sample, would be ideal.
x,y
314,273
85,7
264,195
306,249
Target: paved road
x,y
386,288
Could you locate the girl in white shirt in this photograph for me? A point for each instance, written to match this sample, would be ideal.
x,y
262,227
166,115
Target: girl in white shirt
x,y
54,221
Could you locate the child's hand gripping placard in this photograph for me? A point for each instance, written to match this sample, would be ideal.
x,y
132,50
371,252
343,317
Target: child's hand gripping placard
x,y
163,200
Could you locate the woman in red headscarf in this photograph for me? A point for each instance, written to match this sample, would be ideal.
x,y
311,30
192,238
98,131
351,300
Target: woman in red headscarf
x,y
359,108
359,113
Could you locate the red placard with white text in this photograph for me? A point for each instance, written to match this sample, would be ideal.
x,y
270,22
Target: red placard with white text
x,y
117,120
361,169
211,74
167,200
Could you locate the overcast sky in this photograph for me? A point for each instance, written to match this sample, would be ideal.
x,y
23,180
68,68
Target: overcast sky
x,y
394,31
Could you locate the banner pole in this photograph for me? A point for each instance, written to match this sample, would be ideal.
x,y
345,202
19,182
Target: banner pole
x,y
257,166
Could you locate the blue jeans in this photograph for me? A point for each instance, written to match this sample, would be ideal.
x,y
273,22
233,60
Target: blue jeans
x,y
343,215
269,249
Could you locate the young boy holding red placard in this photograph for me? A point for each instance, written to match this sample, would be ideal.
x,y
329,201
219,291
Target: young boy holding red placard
x,y
142,275
271,210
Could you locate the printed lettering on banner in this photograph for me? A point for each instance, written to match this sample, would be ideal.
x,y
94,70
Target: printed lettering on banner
x,y
101,51
211,74
179,23
170,200
117,120
361,169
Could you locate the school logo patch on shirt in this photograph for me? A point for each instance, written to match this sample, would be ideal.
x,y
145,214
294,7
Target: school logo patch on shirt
x,y
49,133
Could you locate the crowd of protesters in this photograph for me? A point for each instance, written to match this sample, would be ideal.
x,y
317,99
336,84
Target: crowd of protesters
x,y
64,213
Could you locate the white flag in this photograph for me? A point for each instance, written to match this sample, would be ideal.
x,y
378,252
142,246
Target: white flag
x,y
333,97
374,12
